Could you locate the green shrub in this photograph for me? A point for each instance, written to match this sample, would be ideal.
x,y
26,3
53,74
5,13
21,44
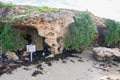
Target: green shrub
x,y
6,5
19,17
9,38
43,8
81,33
113,30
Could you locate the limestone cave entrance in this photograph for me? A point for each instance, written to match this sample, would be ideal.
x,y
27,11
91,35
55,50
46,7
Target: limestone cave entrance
x,y
31,36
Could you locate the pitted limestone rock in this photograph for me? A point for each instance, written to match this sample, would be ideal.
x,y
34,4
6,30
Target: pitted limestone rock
x,y
49,24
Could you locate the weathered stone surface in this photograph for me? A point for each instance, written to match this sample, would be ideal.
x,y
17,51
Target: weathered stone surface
x,y
49,24
105,53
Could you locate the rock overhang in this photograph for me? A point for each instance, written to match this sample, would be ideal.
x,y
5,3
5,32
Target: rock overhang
x,y
51,25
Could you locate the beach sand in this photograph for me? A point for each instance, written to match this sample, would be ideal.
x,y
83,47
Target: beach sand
x,y
71,68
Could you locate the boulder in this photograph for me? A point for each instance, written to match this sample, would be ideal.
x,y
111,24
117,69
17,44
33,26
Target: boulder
x,y
12,56
103,53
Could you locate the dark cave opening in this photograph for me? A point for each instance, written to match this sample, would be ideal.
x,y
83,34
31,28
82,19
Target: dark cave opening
x,y
31,36
28,39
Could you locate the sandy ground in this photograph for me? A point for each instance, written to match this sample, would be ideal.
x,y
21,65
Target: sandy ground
x,y
88,69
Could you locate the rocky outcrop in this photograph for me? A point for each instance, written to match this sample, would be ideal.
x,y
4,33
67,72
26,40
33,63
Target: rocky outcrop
x,y
50,25
103,53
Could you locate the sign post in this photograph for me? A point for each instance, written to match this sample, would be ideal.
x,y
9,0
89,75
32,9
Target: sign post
x,y
31,48
31,58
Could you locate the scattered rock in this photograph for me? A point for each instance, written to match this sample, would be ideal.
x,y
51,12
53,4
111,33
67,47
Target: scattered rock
x,y
49,63
39,66
75,56
7,65
64,61
36,72
103,69
26,68
80,60
109,78
60,60
3,57
50,56
8,68
3,70
72,61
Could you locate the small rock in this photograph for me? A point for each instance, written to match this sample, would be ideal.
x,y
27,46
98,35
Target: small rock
x,y
49,63
72,61
64,61
36,72
108,78
39,67
60,60
80,60
50,56
26,69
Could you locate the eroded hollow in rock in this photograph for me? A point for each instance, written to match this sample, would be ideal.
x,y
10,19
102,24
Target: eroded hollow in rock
x,y
28,38
31,36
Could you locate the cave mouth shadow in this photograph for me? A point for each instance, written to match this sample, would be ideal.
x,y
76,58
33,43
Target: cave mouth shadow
x,y
28,39
31,36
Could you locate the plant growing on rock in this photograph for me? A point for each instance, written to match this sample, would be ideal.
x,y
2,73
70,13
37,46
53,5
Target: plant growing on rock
x,y
81,32
44,8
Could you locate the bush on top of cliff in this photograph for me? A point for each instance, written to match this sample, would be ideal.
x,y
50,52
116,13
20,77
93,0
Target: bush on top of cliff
x,y
113,30
44,8
6,5
81,33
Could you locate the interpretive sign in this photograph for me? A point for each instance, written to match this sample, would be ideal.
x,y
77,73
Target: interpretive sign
x,y
31,48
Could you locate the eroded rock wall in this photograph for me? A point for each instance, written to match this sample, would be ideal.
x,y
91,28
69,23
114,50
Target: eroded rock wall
x,y
50,25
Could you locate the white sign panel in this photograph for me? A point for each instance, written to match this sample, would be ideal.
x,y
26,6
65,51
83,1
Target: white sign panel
x,y
31,48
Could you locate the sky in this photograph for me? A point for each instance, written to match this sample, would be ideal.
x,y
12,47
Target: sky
x,y
102,8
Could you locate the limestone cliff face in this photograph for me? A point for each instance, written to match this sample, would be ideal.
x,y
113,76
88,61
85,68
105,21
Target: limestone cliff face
x,y
51,25
48,25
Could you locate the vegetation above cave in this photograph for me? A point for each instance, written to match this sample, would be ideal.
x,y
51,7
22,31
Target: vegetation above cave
x,y
43,8
6,5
